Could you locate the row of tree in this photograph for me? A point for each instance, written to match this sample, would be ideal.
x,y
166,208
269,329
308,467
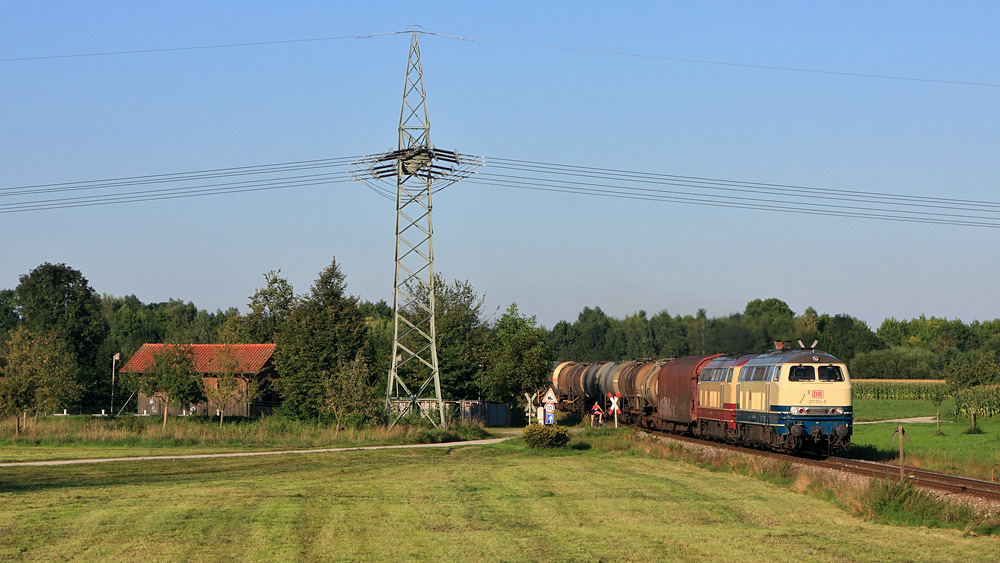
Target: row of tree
x,y
54,317
57,337
922,348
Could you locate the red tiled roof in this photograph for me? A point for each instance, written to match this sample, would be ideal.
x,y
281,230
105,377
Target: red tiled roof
x,y
250,357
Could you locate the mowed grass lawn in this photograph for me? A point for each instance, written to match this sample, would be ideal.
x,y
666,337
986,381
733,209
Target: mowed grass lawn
x,y
866,410
84,437
474,503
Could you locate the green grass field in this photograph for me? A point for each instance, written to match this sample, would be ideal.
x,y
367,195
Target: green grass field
x,y
595,501
866,410
82,437
956,452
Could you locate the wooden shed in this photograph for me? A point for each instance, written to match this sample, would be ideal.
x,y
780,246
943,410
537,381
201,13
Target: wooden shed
x,y
253,362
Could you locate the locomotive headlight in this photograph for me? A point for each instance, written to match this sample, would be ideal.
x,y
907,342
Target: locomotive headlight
x,y
838,410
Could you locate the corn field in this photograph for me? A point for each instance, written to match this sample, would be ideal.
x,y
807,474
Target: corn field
x,y
984,400
900,389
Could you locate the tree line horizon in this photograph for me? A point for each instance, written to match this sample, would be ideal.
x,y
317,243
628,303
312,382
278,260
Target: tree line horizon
x,y
58,335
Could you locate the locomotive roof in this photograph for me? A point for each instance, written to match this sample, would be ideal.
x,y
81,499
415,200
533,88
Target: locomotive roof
x,y
729,361
799,356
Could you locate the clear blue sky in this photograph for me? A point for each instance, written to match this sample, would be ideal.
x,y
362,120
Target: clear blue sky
x,y
73,119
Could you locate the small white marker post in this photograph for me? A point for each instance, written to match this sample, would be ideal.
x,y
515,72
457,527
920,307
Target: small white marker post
x,y
614,406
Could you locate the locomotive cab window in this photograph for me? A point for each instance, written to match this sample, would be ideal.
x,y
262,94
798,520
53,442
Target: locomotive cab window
x,y
802,373
830,373
729,375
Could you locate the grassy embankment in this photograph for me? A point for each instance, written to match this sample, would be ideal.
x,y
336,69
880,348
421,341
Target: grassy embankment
x,y
609,496
80,437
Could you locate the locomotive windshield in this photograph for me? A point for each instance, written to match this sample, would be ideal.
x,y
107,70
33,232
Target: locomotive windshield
x,y
830,373
808,373
802,373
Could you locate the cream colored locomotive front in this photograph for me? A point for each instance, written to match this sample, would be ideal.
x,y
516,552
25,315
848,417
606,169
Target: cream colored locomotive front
x,y
808,388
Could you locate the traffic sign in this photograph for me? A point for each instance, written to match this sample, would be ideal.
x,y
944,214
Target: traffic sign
x,y
530,408
550,408
550,397
614,403
614,406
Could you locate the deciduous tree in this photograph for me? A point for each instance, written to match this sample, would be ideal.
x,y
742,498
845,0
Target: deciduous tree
x,y
225,386
518,361
56,300
349,395
37,374
8,313
270,307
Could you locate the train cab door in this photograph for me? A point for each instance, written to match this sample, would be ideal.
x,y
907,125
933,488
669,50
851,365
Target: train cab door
x,y
773,385
767,389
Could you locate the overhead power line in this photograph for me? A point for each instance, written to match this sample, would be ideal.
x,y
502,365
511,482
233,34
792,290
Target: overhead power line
x,y
516,174
584,50
691,190
720,63
196,48
178,185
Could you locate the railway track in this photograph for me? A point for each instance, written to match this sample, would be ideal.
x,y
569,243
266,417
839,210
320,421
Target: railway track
x,y
931,480
920,477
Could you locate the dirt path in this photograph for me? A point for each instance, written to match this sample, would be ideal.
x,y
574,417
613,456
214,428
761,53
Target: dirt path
x,y
916,419
249,454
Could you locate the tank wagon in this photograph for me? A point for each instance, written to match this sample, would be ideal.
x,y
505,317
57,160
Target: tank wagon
x,y
790,400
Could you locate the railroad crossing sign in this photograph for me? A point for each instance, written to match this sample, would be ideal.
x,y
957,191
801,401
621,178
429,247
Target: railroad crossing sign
x,y
530,409
614,403
550,396
614,406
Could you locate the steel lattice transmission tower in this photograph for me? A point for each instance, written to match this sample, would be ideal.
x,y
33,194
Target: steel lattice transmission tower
x,y
419,170
414,335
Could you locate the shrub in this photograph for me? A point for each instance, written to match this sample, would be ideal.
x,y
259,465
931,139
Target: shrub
x,y
545,436
902,503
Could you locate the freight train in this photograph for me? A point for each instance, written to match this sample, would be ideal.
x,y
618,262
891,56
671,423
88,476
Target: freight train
x,y
789,400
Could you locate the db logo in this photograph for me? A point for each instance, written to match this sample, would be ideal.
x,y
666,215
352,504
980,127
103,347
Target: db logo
x,y
818,394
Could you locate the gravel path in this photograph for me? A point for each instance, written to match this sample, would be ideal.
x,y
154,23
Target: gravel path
x,y
249,454
916,419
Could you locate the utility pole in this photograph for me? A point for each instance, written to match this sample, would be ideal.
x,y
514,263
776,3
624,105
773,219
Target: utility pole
x,y
418,170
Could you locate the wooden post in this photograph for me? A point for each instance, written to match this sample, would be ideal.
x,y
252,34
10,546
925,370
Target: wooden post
x,y
902,434
901,473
